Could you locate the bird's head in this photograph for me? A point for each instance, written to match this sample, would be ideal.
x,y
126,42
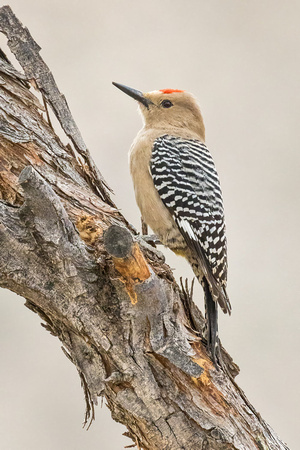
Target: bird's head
x,y
168,109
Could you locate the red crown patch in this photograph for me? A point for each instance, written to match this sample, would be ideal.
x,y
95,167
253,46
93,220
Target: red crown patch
x,y
170,91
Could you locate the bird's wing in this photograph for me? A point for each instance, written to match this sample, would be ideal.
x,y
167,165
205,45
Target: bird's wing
x,y
185,177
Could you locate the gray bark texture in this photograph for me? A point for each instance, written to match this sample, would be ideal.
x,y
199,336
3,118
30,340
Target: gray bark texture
x,y
133,334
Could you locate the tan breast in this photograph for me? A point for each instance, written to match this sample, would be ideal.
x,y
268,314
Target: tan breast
x,y
153,211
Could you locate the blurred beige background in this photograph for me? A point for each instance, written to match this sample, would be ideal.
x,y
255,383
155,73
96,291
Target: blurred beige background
x,y
241,59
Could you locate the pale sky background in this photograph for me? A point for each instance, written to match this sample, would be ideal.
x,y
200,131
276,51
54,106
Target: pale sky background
x,y
241,60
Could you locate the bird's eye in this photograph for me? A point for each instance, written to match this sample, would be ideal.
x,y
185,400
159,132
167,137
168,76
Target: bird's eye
x,y
166,104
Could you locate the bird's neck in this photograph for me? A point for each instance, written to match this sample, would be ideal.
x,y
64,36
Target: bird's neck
x,y
174,130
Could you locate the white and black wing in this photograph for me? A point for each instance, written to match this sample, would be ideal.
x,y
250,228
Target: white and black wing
x,y
185,177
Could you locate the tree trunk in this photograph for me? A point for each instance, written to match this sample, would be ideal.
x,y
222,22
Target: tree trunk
x,y
132,332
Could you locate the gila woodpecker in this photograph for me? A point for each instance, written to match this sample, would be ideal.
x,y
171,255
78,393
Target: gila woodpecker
x,y
178,192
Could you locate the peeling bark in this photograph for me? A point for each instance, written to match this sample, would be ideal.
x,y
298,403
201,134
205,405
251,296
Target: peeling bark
x,y
132,332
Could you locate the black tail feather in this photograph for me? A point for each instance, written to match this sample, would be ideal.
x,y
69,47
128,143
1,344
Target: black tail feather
x,y
211,316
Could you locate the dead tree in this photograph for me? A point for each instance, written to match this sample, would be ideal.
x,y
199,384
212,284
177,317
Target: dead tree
x,y
133,334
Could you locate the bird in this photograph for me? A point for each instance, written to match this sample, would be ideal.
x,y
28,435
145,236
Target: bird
x,y
178,192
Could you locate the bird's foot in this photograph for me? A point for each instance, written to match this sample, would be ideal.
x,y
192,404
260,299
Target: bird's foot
x,y
151,239
148,242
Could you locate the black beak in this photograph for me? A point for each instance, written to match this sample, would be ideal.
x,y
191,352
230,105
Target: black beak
x,y
137,95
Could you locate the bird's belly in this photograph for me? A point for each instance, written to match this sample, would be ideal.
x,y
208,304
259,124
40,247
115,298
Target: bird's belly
x,y
157,216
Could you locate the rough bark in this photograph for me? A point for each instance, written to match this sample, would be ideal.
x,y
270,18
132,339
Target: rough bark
x,y
132,332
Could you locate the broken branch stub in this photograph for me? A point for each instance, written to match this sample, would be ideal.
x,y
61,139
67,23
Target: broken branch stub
x,y
127,257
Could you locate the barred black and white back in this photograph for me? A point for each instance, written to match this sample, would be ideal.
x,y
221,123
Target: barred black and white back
x,y
185,177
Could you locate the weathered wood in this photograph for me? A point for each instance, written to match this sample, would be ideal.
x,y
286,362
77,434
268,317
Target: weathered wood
x,y
69,253
26,51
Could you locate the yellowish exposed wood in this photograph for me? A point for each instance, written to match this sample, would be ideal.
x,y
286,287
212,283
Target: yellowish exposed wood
x,y
134,269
